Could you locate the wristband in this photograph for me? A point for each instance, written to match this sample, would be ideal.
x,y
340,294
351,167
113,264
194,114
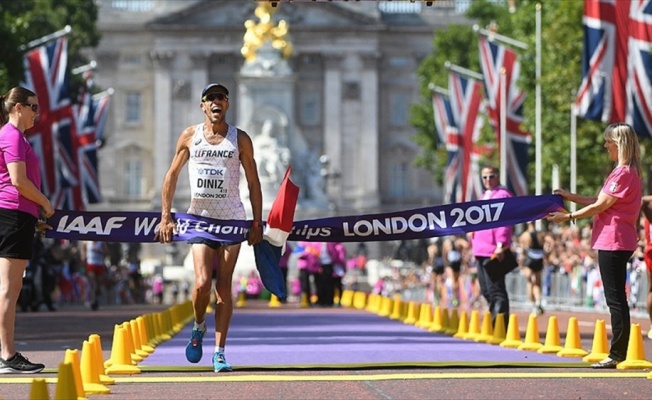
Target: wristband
x,y
256,223
571,218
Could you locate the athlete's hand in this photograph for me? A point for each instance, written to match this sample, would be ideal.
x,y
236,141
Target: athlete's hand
x,y
164,232
255,235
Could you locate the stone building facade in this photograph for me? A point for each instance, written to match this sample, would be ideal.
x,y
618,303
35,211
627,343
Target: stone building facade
x,y
354,66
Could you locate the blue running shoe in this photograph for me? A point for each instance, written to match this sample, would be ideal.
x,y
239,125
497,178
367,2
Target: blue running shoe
x,y
220,363
193,349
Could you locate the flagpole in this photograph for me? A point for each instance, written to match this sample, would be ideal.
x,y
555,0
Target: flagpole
x,y
495,36
107,92
503,127
573,156
40,41
438,89
537,111
463,71
87,67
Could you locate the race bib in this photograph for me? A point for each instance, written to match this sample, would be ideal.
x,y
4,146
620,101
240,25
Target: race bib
x,y
209,182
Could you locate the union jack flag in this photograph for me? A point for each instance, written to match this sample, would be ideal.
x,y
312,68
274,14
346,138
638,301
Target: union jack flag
x,y
617,64
493,58
90,121
445,126
45,74
462,124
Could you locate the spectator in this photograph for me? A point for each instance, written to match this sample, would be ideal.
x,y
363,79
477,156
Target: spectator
x,y
616,211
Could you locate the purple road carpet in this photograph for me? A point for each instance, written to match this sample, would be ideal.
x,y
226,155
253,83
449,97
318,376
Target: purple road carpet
x,y
296,339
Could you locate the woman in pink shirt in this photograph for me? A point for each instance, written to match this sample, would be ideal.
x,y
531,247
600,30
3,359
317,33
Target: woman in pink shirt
x,y
21,205
616,211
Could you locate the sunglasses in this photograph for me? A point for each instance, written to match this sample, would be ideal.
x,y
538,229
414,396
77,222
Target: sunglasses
x,y
214,96
33,106
492,176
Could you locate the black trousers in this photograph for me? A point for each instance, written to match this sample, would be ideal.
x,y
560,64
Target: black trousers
x,y
613,272
325,286
495,292
304,279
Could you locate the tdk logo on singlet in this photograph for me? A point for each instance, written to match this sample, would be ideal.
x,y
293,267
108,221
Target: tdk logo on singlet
x,y
206,153
210,172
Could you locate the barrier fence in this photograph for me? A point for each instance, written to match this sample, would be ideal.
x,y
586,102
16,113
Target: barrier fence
x,y
574,290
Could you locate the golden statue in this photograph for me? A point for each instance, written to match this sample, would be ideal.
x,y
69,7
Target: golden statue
x,y
265,31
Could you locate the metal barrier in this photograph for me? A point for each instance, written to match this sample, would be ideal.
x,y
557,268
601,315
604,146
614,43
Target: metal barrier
x,y
561,290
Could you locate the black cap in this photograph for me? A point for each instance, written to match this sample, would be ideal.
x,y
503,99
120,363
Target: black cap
x,y
216,88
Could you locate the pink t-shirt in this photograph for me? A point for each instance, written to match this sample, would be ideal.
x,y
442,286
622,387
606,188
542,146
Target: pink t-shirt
x,y
15,147
615,227
484,242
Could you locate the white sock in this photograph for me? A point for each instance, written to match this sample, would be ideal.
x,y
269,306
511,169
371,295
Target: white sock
x,y
219,349
199,326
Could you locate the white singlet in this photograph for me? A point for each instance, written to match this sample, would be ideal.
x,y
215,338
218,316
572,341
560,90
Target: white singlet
x,y
214,172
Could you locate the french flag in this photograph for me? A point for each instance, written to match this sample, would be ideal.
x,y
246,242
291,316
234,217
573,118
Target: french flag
x,y
279,225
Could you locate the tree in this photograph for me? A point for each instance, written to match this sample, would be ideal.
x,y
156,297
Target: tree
x,y
27,20
560,77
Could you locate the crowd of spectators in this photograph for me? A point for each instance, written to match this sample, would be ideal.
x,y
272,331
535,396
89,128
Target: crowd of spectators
x,y
570,276
56,275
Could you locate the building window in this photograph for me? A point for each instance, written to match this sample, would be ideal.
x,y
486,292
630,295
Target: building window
x,y
133,174
310,112
133,5
399,104
399,7
132,59
398,180
133,113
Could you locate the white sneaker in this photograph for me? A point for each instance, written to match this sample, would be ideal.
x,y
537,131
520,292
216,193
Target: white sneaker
x,y
649,334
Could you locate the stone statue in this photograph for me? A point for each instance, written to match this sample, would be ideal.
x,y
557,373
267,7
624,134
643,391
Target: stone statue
x,y
265,31
273,159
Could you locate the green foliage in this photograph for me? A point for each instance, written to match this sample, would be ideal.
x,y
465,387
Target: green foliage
x,y
561,49
26,20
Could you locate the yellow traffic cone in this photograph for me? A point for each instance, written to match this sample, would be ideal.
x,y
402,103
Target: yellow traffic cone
x,y
135,336
396,310
346,300
359,300
425,316
413,309
144,337
573,344
499,330
386,307
89,373
373,303
437,317
463,326
487,331
600,347
552,344
72,357
513,338
39,390
96,343
453,322
129,342
474,326
445,320
274,302
635,351
121,359
531,341
66,387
